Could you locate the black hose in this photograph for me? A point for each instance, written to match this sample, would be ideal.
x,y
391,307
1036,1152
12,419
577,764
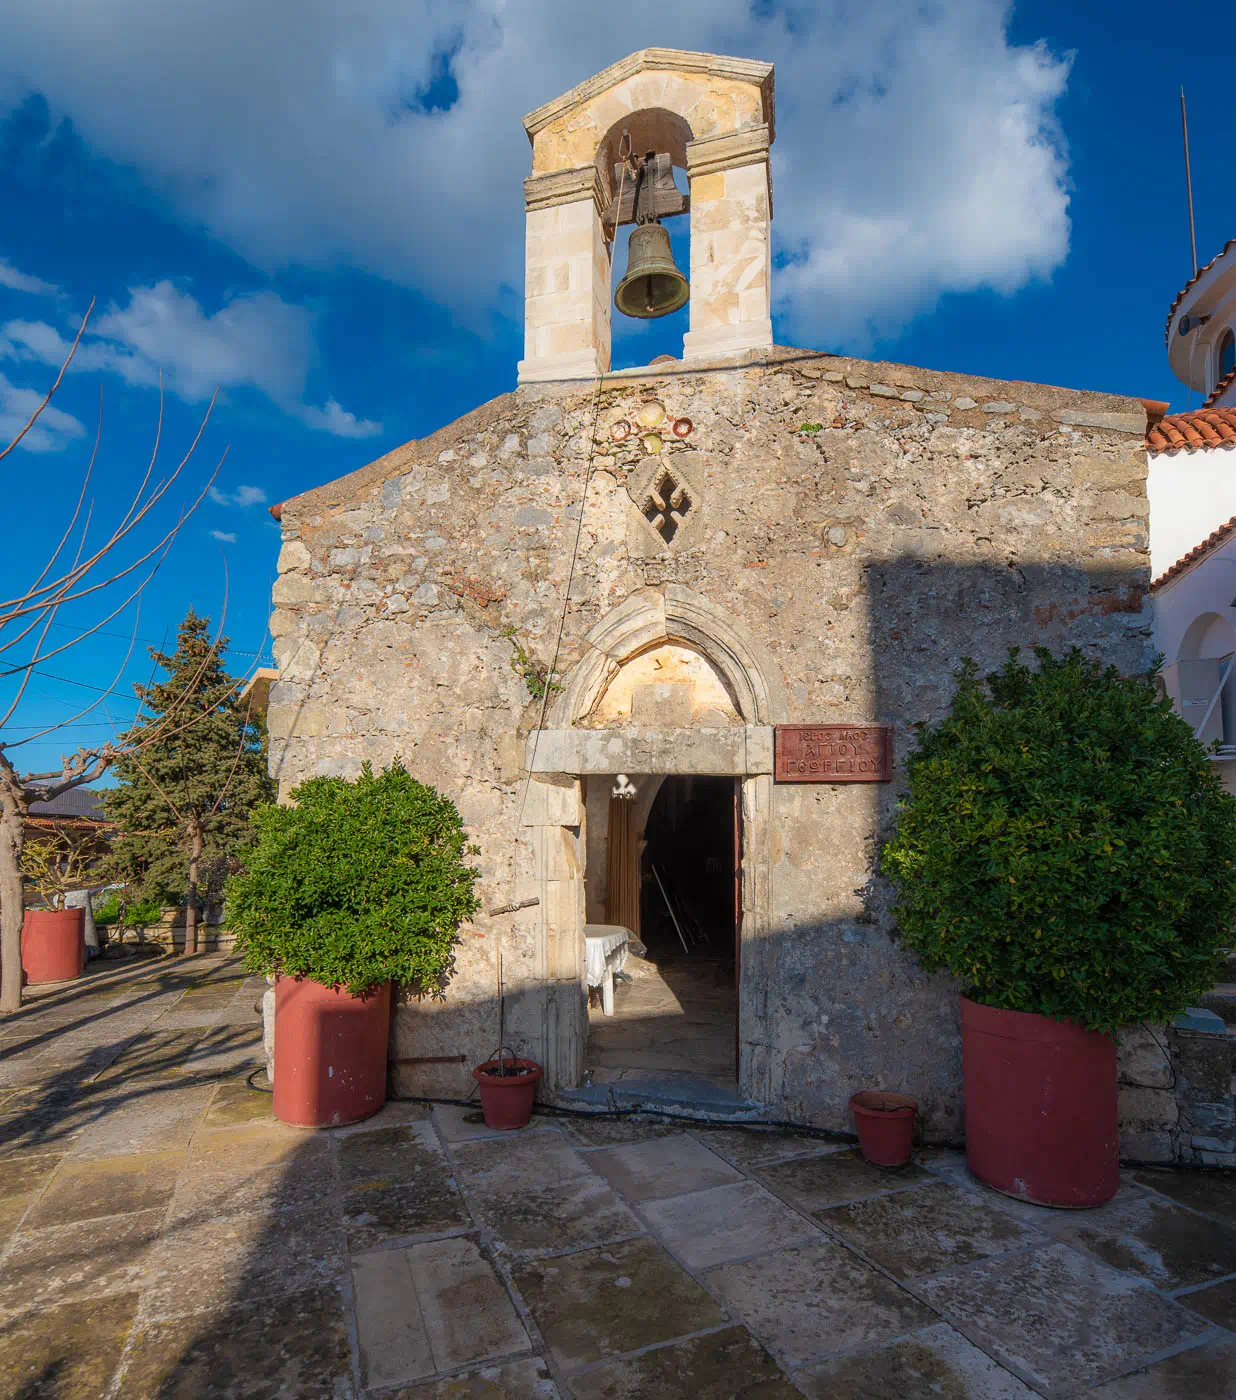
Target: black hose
x,y
616,1114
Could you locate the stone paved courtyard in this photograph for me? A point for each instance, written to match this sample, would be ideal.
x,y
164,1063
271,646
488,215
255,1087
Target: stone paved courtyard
x,y
161,1235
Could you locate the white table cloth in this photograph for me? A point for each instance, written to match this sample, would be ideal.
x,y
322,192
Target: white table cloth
x,y
605,952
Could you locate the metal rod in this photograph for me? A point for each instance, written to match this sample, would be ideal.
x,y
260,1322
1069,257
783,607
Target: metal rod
x,y
686,947
1214,699
430,1060
1184,127
513,908
501,1003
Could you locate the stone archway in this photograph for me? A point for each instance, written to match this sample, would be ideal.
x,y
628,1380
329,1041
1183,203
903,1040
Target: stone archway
x,y
566,752
1210,634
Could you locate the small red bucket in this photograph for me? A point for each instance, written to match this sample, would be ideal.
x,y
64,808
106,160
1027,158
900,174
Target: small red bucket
x,y
508,1090
885,1124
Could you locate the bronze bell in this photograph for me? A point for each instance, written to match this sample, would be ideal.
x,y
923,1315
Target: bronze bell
x,y
653,286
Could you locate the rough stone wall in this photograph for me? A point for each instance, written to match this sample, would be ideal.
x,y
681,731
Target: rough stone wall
x,y
869,524
1176,1102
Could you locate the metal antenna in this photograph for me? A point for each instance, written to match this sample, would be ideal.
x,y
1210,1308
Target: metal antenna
x,y
1184,126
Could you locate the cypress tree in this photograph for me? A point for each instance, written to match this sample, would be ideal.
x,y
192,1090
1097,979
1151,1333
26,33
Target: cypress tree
x,y
193,772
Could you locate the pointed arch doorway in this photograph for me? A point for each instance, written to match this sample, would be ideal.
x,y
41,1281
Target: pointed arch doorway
x,y
619,714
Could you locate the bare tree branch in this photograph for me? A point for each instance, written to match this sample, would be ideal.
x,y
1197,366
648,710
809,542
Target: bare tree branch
x,y
240,748
136,564
133,517
94,704
51,603
41,656
81,496
150,778
34,417
32,612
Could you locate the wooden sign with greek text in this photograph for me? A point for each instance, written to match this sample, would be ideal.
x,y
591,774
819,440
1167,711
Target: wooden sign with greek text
x,y
833,753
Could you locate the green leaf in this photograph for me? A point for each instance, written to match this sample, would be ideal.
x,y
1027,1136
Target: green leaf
x,y
1065,846
356,884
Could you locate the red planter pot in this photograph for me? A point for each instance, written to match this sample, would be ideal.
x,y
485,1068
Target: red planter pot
x,y
885,1126
1041,1115
53,944
330,1052
507,1098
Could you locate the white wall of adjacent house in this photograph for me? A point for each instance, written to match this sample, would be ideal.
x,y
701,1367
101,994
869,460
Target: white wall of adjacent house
x,y
1195,631
1191,494
1201,334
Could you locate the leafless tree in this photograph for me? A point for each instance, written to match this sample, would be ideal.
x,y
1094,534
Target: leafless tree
x,y
117,565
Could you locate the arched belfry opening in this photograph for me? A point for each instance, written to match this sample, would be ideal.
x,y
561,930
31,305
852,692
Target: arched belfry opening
x,y
658,109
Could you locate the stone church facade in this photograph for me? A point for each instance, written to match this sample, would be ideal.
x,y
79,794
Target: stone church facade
x,y
750,537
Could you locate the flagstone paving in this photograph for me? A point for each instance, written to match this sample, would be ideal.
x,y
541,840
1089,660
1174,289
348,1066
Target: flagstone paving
x,y
161,1235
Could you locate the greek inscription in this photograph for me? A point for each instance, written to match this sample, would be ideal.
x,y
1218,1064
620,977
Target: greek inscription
x,y
833,753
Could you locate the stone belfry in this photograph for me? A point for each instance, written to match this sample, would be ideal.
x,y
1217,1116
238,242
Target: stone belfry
x,y
713,117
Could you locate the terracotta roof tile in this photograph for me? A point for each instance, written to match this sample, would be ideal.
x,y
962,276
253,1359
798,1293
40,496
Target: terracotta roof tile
x,y
1189,432
1224,532
1184,291
1220,388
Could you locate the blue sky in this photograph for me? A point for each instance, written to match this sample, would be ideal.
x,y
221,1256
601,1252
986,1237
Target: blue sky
x,y
326,221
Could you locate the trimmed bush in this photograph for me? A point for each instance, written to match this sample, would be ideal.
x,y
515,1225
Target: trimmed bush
x,y
1066,847
357,884
137,914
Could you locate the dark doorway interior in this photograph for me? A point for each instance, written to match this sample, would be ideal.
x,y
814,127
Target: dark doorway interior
x,y
675,1023
687,894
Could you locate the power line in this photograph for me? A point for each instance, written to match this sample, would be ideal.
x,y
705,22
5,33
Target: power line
x,y
81,724
150,641
85,685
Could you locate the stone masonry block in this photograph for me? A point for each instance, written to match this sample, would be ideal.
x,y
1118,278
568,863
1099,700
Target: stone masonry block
x,y
1198,1018
1205,1061
1211,1115
1143,1057
293,555
1148,1109
1148,1147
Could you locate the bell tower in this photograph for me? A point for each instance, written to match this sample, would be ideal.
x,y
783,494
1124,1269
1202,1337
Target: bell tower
x,y
710,115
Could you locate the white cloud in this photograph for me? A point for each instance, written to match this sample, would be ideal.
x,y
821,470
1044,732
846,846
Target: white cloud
x,y
258,340
17,281
223,536
336,419
917,148
41,343
243,496
53,431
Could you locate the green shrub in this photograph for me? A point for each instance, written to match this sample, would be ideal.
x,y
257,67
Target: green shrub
x,y
137,913
357,884
1066,847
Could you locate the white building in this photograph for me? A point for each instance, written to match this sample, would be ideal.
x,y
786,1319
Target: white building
x,y
1192,485
1192,491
